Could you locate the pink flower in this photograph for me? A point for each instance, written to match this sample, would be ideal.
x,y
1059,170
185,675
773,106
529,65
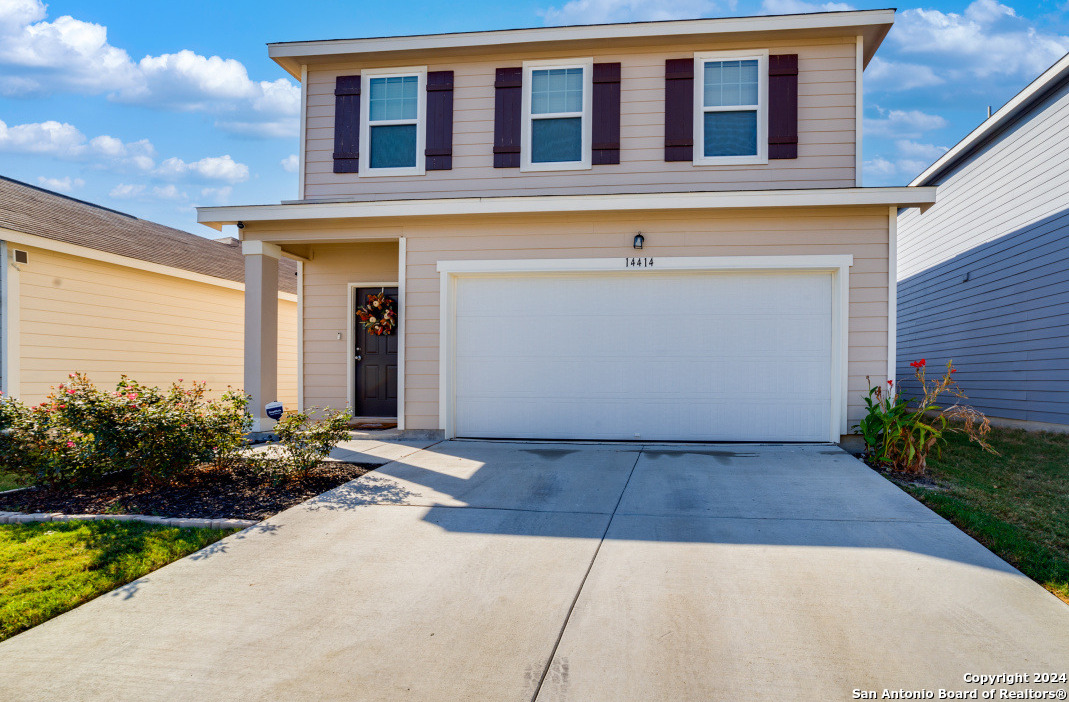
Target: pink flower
x,y
70,444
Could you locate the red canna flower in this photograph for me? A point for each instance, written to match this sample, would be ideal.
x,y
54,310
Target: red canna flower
x,y
919,364
890,383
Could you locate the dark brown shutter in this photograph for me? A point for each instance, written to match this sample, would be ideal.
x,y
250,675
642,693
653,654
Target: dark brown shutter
x,y
606,109
346,124
439,150
507,109
783,106
679,110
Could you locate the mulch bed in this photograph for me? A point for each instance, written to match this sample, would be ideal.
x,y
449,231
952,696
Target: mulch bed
x,y
239,493
899,477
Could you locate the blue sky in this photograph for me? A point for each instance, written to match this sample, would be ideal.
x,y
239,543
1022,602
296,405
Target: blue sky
x,y
155,108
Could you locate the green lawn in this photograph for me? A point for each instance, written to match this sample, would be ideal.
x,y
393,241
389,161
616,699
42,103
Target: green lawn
x,y
48,568
1016,503
10,482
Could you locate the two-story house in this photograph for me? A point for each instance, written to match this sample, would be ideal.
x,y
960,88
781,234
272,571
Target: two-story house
x,y
650,231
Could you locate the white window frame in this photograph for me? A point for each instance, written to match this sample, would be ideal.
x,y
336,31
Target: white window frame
x,y
365,169
700,159
587,64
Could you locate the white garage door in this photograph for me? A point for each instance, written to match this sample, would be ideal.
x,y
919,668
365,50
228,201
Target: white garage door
x,y
679,356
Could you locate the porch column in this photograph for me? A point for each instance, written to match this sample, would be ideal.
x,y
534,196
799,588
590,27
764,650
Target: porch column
x,y
261,328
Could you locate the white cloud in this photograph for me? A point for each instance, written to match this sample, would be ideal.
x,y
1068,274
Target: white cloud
x,y
168,192
908,160
601,11
898,75
18,13
63,185
926,152
879,167
139,191
282,128
66,142
219,195
211,168
904,124
70,55
790,7
291,163
125,191
51,137
988,40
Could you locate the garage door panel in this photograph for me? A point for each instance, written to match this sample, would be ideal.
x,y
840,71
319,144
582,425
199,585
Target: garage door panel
x,y
672,356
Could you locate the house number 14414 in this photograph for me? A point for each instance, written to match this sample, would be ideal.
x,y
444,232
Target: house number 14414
x,y
638,262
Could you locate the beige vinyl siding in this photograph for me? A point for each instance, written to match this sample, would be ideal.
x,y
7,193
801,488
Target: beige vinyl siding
x,y
327,327
826,149
106,320
861,232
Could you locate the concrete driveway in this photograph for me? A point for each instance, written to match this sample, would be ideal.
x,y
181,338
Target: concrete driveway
x,y
494,571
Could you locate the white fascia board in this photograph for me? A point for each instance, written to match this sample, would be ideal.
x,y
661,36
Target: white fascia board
x,y
61,247
597,32
1020,102
902,197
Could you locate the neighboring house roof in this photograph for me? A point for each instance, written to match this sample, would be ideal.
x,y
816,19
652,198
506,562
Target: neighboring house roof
x,y
32,210
1017,109
872,25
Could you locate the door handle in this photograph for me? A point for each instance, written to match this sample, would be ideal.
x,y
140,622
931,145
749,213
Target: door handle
x,y
358,357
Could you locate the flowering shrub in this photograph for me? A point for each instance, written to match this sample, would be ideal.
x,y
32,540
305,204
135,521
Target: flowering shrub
x,y
901,436
81,432
306,442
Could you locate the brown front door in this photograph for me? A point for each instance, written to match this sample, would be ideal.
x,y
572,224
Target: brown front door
x,y
376,364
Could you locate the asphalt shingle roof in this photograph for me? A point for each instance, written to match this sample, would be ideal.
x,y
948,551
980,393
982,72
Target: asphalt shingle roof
x,y
31,210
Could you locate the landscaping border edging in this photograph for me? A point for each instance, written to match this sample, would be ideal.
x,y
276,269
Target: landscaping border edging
x,y
181,522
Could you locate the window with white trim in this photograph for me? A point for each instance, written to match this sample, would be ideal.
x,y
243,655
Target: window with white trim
x,y
556,124
393,122
731,105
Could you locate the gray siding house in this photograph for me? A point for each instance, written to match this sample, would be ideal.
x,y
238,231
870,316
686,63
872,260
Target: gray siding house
x,y
983,275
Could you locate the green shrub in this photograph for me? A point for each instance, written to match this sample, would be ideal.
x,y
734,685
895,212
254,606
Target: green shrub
x,y
81,432
901,436
305,442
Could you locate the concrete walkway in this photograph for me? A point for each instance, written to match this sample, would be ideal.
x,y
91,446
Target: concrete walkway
x,y
493,571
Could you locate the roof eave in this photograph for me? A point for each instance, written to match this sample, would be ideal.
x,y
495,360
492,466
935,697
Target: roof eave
x,y
872,24
901,197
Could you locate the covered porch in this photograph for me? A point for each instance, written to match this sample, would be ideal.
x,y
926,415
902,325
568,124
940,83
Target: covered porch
x,y
332,273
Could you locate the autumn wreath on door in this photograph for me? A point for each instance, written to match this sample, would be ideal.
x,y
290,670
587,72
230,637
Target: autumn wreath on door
x,y
378,316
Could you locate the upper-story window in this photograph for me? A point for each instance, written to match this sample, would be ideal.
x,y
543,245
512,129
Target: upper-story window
x,y
556,126
393,102
731,105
